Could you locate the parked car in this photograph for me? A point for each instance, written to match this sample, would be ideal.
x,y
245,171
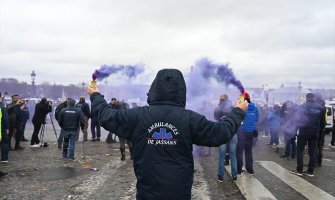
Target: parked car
x,y
330,117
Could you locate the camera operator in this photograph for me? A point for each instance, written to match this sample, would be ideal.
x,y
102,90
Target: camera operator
x,y
15,121
41,111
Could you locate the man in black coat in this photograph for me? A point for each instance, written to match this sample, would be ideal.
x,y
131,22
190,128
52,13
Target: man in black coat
x,y
85,108
69,120
41,111
311,120
163,133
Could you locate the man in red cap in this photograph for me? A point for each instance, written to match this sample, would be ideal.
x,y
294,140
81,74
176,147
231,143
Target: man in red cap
x,y
245,137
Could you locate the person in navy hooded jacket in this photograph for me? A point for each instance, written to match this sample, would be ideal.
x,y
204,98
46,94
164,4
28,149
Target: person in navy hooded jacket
x,y
163,133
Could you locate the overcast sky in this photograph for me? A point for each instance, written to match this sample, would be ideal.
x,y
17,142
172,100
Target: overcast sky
x,y
265,42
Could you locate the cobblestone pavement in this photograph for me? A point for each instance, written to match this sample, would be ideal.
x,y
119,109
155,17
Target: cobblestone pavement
x,y
41,173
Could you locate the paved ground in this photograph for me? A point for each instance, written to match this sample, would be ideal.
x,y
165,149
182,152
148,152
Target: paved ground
x,y
40,173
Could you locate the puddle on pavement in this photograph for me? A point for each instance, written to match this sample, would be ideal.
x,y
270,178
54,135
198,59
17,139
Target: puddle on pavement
x,y
60,173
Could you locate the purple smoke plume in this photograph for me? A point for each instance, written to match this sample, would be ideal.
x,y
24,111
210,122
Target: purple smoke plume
x,y
220,72
129,70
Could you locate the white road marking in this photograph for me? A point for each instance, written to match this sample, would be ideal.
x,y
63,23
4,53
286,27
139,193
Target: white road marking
x,y
251,187
299,184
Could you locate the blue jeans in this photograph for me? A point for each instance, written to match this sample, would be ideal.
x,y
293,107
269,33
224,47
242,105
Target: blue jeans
x,y
244,144
61,137
290,142
274,136
69,137
232,155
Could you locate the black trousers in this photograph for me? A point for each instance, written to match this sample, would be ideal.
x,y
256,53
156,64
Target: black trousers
x,y
319,148
17,127
311,139
37,128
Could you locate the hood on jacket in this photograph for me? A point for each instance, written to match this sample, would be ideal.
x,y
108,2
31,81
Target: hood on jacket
x,y
71,102
168,88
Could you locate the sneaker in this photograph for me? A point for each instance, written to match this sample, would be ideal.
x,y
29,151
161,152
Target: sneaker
x,y
284,156
35,145
19,148
24,140
274,146
296,173
98,139
264,136
240,172
250,173
93,140
220,179
4,161
234,178
310,174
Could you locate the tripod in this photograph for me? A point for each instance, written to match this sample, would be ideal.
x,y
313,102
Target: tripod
x,y
43,131
53,126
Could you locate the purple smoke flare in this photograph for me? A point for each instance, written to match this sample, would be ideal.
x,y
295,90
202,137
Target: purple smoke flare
x,y
130,71
220,72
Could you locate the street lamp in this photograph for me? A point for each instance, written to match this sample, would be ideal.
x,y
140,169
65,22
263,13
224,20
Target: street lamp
x,y
33,75
83,84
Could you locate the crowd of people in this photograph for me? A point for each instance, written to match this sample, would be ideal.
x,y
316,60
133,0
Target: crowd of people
x,y
300,125
160,136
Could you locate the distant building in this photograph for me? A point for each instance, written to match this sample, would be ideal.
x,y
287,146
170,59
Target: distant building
x,y
296,94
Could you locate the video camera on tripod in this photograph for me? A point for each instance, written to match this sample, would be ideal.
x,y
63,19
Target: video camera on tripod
x,y
48,103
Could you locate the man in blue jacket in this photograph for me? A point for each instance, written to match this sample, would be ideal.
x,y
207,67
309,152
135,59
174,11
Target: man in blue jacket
x,y
245,137
163,133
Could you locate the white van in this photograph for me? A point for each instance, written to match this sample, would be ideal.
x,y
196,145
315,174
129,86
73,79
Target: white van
x,y
329,118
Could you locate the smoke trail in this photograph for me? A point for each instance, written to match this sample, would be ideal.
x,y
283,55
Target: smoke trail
x,y
130,71
220,72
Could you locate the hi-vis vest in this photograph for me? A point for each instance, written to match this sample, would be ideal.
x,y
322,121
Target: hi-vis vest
x,y
0,123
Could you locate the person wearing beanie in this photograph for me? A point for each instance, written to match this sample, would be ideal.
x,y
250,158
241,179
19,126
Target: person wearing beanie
x,y
245,137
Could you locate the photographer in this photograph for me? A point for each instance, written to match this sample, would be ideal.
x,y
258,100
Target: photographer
x,y
41,111
15,121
